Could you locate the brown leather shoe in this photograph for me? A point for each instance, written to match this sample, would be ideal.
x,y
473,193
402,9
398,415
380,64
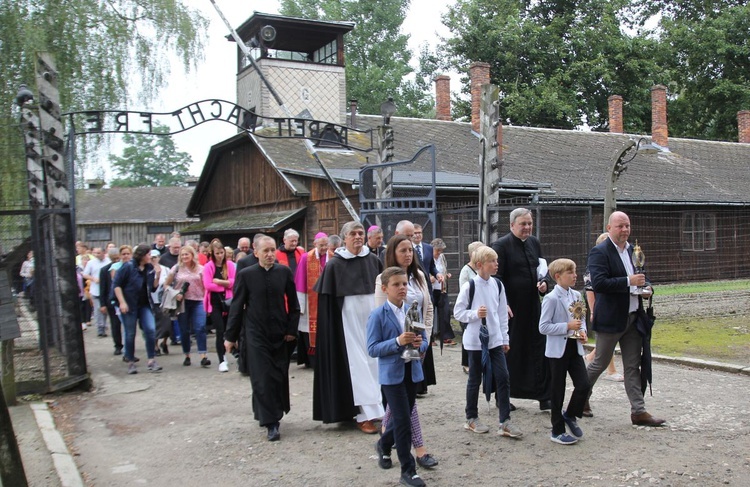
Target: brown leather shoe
x,y
367,427
645,419
587,410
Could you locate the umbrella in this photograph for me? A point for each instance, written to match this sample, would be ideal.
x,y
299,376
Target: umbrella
x,y
488,383
644,322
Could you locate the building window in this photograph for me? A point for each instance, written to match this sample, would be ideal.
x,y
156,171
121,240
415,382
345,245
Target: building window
x,y
98,234
698,231
154,229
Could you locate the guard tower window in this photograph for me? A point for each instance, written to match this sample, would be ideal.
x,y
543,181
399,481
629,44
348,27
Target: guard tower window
x,y
327,54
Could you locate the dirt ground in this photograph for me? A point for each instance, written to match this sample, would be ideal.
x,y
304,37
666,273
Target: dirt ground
x,y
189,426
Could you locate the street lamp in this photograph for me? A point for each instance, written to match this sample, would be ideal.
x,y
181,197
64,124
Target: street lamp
x,y
384,176
619,167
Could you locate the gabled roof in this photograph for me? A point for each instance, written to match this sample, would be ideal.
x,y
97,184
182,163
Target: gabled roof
x,y
565,164
132,205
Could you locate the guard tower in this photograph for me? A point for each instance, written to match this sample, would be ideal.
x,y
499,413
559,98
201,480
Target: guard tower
x,y
302,59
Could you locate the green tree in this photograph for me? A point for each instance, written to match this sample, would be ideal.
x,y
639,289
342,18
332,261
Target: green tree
x,y
556,62
377,55
99,47
708,56
150,160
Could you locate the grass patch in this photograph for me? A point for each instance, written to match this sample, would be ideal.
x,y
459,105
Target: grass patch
x,y
702,287
723,339
726,339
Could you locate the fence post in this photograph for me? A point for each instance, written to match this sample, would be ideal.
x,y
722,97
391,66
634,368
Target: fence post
x,y
8,379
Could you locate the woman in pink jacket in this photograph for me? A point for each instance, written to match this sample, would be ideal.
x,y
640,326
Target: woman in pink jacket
x,y
218,280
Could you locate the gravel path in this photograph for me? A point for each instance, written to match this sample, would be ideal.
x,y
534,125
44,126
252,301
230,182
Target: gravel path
x,y
192,427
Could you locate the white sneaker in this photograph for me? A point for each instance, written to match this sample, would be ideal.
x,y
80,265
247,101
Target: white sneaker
x,y
224,366
475,426
84,327
616,377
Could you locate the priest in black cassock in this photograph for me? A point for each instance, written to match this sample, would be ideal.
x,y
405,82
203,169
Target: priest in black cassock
x,y
518,255
346,377
267,324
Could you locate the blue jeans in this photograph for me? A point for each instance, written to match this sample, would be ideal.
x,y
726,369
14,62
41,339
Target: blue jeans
x,y
145,316
194,314
499,374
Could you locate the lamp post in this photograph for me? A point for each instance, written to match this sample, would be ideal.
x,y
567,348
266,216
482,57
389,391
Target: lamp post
x,y
619,165
384,177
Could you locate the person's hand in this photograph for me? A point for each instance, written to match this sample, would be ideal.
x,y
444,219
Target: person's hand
x,y
103,309
482,312
96,280
542,286
439,278
124,308
229,346
179,297
290,338
584,338
574,325
510,312
506,348
637,280
647,292
407,338
417,341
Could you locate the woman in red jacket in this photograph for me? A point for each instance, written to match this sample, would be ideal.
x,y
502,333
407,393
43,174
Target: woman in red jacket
x,y
218,281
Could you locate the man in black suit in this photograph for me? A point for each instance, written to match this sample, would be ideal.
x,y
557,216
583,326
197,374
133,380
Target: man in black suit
x,y
424,251
614,281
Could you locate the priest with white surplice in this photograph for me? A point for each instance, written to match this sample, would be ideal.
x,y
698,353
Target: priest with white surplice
x,y
346,377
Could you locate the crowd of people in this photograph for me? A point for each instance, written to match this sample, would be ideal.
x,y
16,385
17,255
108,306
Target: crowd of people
x,y
364,315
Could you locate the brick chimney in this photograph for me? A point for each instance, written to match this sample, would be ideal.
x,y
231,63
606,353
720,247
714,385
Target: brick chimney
x,y
614,103
479,74
443,97
743,126
659,128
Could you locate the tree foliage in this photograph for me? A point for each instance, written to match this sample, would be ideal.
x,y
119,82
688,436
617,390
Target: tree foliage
x,y
556,62
100,47
150,160
708,55
377,55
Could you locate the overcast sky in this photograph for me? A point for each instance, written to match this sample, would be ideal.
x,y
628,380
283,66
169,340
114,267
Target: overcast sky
x,y
215,76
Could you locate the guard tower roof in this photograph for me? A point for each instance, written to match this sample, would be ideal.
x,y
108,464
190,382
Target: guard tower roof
x,y
294,34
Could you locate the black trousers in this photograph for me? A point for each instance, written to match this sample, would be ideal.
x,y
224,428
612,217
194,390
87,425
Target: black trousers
x,y
401,399
115,327
570,363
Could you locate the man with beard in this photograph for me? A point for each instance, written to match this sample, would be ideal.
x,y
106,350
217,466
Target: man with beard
x,y
518,255
346,377
265,310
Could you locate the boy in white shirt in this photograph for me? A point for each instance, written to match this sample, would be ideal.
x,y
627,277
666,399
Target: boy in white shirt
x,y
566,334
481,303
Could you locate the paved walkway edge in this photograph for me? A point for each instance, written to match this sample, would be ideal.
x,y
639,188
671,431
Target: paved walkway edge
x,y
65,466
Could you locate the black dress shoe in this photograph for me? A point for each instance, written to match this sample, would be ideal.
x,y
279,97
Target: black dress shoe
x,y
427,461
273,432
164,349
118,350
545,405
512,407
384,460
587,413
135,359
412,479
